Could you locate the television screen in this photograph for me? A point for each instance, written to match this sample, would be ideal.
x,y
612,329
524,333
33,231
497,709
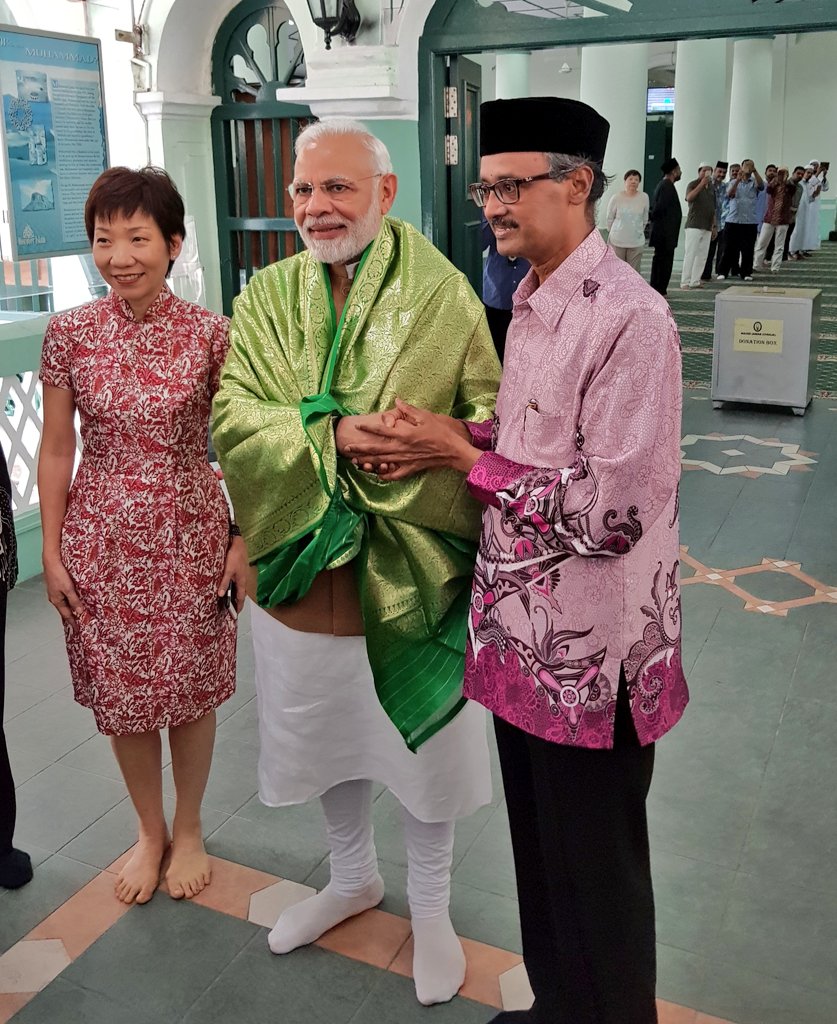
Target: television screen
x,y
660,101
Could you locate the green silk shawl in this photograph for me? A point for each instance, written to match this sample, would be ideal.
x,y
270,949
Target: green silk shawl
x,y
411,328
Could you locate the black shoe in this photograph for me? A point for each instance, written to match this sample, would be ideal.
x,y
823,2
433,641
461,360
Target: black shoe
x,y
513,1017
15,869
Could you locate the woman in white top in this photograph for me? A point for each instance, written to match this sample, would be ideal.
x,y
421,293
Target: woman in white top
x,y
627,215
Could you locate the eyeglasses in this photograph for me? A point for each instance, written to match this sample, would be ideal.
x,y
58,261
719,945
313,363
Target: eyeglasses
x,y
507,190
337,189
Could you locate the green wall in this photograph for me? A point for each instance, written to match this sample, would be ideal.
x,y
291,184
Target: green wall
x,y
402,141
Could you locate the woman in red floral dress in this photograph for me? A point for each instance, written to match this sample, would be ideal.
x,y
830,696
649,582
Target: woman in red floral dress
x,y
139,552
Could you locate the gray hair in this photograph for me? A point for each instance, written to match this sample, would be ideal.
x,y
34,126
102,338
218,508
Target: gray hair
x,y
560,165
330,126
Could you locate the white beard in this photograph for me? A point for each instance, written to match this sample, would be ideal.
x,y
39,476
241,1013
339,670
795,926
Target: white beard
x,y
350,245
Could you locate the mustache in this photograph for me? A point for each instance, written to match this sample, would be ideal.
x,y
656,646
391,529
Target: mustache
x,y
323,222
503,222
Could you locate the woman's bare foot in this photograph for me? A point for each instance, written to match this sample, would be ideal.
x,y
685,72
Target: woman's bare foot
x,y
190,870
140,876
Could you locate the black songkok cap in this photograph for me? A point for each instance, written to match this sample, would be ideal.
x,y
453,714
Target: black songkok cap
x,y
542,124
723,164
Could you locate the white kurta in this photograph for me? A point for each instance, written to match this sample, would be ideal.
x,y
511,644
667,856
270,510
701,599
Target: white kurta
x,y
320,723
799,238
812,231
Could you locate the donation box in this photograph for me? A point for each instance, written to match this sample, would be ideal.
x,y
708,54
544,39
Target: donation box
x,y
766,343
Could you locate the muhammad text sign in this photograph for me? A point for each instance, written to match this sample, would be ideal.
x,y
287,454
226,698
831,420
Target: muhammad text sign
x,y
758,335
53,139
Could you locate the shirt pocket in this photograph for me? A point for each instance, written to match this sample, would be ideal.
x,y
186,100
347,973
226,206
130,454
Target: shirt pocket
x,y
547,437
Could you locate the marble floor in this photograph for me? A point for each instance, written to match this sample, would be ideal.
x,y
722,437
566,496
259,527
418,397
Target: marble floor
x,y
742,808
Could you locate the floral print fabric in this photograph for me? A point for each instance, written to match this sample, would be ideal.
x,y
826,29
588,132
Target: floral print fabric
x,y
578,568
146,530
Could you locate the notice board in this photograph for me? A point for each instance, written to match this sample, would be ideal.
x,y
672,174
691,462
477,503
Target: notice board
x,y
54,142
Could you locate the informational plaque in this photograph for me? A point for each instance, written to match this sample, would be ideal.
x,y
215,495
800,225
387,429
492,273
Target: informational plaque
x,y
54,143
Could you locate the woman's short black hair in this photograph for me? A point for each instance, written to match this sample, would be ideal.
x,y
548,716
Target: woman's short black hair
x,y
632,174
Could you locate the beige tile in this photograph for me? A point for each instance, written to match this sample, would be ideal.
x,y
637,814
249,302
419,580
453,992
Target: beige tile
x,y
672,1013
267,904
11,1002
374,937
515,990
31,964
84,917
231,887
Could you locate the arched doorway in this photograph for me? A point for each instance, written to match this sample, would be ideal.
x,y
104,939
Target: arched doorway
x,y
452,31
256,51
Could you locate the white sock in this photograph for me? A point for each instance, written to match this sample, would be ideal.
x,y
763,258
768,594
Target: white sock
x,y
355,884
305,922
438,959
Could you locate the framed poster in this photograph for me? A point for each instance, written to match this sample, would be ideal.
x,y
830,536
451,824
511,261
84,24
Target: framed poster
x,y
54,143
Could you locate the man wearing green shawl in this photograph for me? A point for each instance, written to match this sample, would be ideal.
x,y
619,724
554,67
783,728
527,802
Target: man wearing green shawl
x,y
361,587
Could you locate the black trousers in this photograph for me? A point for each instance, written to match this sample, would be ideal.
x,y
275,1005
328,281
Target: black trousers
x,y
8,807
739,249
498,324
707,267
580,841
661,268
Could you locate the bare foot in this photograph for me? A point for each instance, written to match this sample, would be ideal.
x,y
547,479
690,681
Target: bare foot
x,y
141,874
189,871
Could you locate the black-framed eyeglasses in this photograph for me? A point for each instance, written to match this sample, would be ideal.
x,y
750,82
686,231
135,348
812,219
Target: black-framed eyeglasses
x,y
507,190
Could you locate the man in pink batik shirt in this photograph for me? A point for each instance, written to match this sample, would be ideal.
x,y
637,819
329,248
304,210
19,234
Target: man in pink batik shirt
x,y
574,636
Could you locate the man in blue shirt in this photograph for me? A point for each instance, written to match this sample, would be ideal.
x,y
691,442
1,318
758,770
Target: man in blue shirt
x,y
742,221
500,278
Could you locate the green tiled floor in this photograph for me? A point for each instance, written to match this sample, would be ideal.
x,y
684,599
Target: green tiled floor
x,y
742,808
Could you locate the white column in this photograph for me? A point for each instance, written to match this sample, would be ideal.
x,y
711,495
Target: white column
x,y
750,112
700,107
614,81
512,81
179,139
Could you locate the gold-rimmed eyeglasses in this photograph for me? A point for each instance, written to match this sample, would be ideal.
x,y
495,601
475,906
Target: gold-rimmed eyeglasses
x,y
337,189
507,190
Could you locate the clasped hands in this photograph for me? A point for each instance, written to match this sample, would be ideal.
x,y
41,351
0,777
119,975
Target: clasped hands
x,y
404,441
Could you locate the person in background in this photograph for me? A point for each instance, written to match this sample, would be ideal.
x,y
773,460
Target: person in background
x,y
761,199
700,226
665,214
627,215
796,199
819,179
722,244
15,865
719,191
780,192
802,230
741,222
140,557
501,276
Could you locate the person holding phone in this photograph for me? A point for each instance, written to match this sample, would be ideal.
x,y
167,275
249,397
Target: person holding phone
x,y
701,226
139,553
